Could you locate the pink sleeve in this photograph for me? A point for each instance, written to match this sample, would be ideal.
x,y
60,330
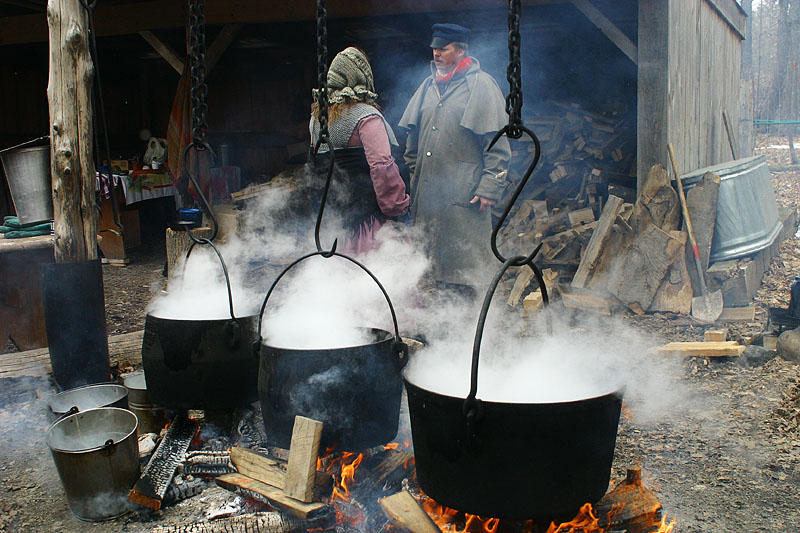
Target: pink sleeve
x,y
389,187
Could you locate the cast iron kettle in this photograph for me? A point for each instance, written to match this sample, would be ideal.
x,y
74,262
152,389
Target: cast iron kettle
x,y
201,364
354,391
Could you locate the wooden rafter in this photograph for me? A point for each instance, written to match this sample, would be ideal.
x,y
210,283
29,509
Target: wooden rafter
x,y
164,50
608,28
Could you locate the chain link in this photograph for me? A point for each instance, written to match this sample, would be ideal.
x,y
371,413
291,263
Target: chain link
x,y
197,47
514,71
322,68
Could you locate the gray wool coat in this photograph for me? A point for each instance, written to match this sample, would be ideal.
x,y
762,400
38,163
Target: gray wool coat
x,y
446,154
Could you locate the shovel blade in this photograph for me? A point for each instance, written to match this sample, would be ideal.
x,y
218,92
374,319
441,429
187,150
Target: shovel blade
x,y
707,308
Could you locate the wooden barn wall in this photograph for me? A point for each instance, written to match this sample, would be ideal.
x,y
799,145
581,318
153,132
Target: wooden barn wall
x,y
704,80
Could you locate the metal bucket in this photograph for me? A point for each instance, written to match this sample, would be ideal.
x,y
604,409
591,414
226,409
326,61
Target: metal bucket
x,y
151,418
28,173
96,454
747,215
88,397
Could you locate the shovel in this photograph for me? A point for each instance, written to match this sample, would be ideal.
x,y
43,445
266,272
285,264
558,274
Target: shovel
x,y
707,307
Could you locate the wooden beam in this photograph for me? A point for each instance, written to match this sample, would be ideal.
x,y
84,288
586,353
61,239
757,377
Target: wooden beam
x,y
220,44
652,87
302,465
702,349
125,347
133,17
164,50
609,29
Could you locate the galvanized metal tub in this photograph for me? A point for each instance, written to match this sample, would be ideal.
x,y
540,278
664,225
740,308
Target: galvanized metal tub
x,y
151,417
28,173
96,453
747,215
88,397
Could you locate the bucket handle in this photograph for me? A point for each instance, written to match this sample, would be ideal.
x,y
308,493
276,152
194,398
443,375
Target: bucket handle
x,y
72,410
473,407
399,347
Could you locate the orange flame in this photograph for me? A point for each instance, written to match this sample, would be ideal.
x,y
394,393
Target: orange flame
x,y
584,522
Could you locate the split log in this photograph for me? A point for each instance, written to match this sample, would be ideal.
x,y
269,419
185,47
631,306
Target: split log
x,y
597,240
523,280
302,464
533,301
703,349
701,201
405,513
674,295
382,473
248,487
657,203
588,300
639,271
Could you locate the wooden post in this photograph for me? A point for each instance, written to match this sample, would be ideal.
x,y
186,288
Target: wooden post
x,y
69,96
302,465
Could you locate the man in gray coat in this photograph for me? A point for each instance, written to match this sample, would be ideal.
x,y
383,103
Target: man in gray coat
x,y
451,119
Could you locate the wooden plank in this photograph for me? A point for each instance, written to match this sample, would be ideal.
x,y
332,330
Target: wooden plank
x,y
581,216
738,314
702,349
732,13
715,335
275,496
303,453
609,29
259,466
587,300
701,201
27,243
272,471
164,50
405,513
596,242
127,346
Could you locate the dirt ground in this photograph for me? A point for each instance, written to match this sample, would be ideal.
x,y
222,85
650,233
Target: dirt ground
x,y
727,460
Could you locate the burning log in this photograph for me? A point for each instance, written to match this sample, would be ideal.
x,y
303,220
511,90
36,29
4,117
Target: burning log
x,y
404,512
264,522
208,463
188,487
149,491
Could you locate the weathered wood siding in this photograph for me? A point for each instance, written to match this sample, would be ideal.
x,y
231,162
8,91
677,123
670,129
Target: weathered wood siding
x,y
690,69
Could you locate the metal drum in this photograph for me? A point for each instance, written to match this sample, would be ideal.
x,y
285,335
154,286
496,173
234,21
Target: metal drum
x,y
96,453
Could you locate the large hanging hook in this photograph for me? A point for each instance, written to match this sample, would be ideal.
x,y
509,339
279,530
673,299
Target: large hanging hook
x,y
322,98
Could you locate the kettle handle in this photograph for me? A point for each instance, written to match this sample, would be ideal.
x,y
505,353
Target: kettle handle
x,y
327,254
472,407
224,269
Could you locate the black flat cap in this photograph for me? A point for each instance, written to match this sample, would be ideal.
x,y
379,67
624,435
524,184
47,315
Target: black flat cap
x,y
444,34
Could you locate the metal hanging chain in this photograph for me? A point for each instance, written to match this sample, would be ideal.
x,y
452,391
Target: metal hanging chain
x,y
89,7
322,99
514,71
197,65
199,91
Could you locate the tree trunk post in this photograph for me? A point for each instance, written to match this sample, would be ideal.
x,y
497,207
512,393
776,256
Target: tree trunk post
x,y
72,166
72,287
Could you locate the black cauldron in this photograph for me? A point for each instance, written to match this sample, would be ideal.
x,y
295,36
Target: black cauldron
x,y
354,391
201,364
512,460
